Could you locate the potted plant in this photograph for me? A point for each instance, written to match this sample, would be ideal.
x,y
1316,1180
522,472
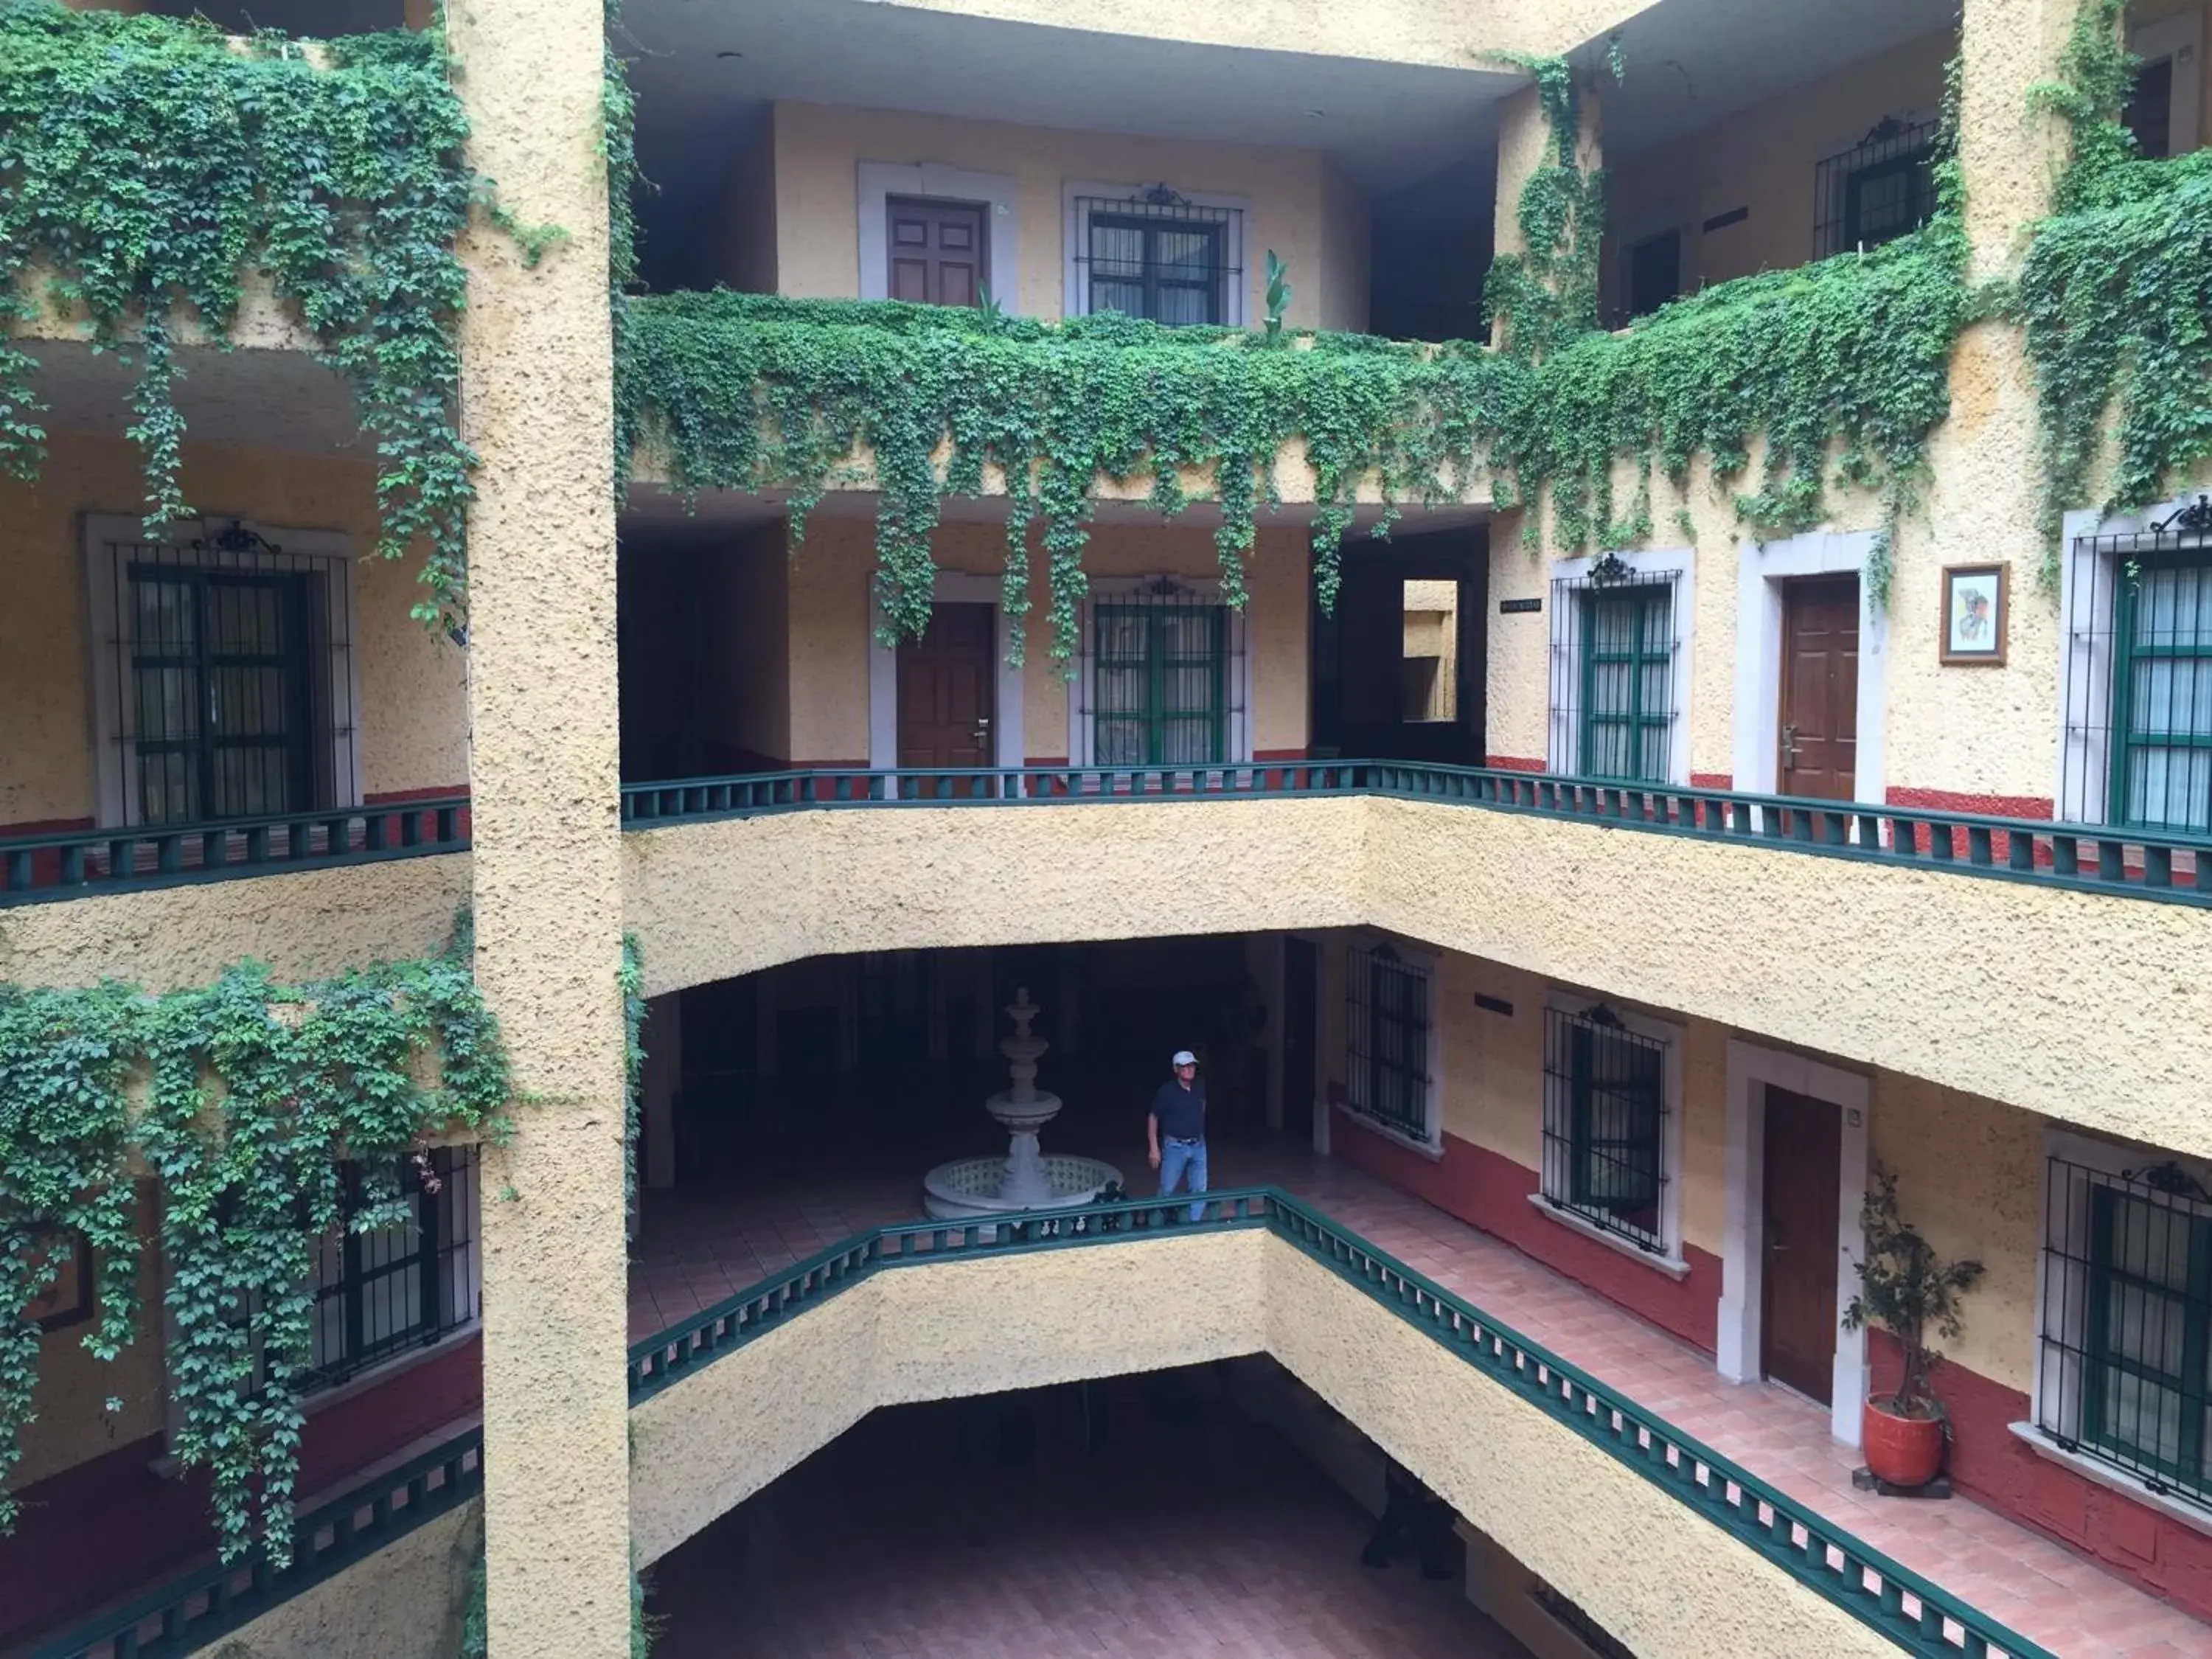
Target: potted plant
x,y
1909,1290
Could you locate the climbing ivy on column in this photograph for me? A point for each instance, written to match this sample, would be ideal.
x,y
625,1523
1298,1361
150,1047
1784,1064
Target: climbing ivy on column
x,y
2115,294
251,1097
154,169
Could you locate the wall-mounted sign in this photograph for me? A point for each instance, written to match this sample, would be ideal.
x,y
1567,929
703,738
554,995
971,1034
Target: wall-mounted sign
x,y
1520,607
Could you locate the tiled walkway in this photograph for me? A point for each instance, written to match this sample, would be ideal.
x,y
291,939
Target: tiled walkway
x,y
1206,1539
704,1244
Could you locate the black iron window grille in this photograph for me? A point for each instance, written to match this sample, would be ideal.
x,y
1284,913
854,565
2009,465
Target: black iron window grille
x,y
404,1284
1164,683
2138,739
1605,1122
1155,253
1615,693
1877,190
232,678
1387,1058
2126,1374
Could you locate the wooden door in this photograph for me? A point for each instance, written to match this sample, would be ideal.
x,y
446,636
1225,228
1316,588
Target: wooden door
x,y
946,681
1819,688
1804,1169
936,251
1301,977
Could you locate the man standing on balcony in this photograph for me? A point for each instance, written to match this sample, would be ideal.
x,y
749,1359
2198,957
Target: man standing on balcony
x,y
1176,1129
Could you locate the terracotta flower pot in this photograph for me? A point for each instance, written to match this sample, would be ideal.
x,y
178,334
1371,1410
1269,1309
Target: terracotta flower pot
x,y
1905,1451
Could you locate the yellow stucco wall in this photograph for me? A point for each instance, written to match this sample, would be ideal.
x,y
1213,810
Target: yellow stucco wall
x,y
404,1601
939,1332
411,719
1715,931
1297,203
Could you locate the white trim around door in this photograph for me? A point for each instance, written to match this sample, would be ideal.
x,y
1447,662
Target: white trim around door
x,y
879,181
953,588
1751,1068
1760,572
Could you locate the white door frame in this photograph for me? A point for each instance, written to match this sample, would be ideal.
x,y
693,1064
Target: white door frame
x,y
877,182
1760,572
1751,1068
953,588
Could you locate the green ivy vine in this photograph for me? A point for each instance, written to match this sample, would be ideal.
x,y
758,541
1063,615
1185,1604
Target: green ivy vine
x,y
630,976
1546,296
2115,295
755,392
253,1096
154,166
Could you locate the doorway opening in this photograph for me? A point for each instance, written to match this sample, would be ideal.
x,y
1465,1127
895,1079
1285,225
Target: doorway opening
x,y
1398,672
1803,1179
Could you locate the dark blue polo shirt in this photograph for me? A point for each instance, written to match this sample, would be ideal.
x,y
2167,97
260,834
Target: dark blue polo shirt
x,y
1181,1111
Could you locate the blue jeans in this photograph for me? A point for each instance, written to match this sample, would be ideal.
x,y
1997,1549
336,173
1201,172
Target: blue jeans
x,y
1179,1158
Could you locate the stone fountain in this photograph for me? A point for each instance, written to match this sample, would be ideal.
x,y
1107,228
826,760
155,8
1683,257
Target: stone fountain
x,y
1025,1179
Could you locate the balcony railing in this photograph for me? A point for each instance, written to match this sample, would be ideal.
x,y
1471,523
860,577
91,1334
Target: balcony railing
x,y
1919,1616
89,861
2087,857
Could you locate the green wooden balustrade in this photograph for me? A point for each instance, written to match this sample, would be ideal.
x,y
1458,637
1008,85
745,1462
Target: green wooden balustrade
x,y
2089,857
1918,1616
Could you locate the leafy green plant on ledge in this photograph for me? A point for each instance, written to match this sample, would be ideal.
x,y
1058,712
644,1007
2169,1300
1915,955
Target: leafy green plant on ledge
x,y
253,1095
2114,295
753,393
153,167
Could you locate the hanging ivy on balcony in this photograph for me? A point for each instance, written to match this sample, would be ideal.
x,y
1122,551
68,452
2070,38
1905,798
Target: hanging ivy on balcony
x,y
753,393
149,169
2115,294
1842,367
251,1097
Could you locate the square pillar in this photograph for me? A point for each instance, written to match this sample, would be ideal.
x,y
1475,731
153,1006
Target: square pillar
x,y
537,407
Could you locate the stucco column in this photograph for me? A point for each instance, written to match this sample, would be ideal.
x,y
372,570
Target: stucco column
x,y
536,405
2010,154
1985,495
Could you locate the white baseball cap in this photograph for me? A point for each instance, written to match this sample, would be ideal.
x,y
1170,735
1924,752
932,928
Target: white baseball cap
x,y
1184,1057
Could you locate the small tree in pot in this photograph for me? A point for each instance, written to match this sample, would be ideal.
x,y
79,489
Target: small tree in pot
x,y
1909,1290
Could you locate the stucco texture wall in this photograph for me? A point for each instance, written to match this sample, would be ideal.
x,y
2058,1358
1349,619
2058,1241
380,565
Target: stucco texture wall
x,y
940,1331
1297,203
1663,1581
411,722
403,1602
1718,932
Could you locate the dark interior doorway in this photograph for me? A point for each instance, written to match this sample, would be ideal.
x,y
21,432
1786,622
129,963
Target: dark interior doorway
x,y
1398,672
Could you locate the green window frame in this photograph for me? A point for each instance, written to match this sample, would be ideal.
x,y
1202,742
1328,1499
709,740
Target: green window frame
x,y
1170,270
2161,774
1159,684
1627,682
2147,1350
1605,1124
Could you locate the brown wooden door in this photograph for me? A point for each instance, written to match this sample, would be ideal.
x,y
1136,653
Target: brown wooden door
x,y
1797,1323
1819,688
945,683
936,251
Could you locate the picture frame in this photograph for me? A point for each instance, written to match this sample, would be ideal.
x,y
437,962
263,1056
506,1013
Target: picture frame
x,y
68,1300
1976,616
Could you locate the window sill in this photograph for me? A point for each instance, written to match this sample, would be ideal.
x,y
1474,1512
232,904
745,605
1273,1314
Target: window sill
x,y
1672,1266
168,1466
1431,1149
2119,1480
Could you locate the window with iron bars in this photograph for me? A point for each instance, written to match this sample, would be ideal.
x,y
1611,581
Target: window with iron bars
x,y
1156,254
1877,190
227,683
1387,1058
1614,704
404,1284
2139,677
1605,1121
1161,681
2126,1370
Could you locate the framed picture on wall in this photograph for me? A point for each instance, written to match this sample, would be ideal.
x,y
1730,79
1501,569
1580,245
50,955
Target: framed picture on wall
x,y
1974,618
68,1300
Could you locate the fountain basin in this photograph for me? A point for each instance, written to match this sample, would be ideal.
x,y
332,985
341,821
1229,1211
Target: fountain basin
x,y
971,1185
